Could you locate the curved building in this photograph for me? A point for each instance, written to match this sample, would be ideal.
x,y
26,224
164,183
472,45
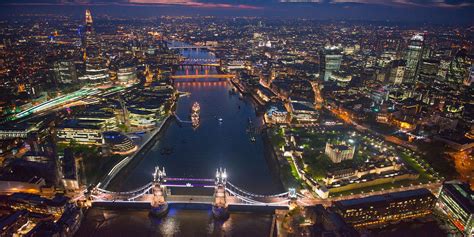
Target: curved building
x,y
127,75
340,77
118,143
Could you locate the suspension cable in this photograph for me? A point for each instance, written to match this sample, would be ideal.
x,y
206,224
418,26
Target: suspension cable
x,y
128,192
255,195
251,201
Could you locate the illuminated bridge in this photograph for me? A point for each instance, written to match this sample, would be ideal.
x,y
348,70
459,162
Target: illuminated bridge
x,y
226,194
203,76
201,62
190,47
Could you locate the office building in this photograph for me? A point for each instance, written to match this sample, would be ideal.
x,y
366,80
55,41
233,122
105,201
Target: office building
x,y
76,132
330,61
64,72
97,70
118,143
458,71
127,75
456,201
386,208
413,57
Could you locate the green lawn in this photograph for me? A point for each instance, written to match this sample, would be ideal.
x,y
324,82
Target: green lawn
x,y
276,137
318,164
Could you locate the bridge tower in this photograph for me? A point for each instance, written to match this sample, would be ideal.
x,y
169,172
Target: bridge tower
x,y
293,202
159,206
219,207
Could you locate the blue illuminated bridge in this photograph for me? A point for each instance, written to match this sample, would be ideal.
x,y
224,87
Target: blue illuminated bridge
x,y
225,193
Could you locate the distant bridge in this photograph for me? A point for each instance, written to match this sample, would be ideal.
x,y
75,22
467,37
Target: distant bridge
x,y
203,76
192,47
201,62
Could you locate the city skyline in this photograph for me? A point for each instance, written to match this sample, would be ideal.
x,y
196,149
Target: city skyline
x,y
118,120
440,12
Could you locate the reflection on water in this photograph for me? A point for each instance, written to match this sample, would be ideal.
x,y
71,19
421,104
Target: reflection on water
x,y
221,140
198,152
178,222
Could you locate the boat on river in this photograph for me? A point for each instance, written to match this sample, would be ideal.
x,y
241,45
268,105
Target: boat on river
x,y
195,118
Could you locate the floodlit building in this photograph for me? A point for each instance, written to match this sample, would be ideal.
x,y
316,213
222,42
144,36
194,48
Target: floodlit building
x,y
386,208
127,75
276,113
339,151
118,143
35,203
74,131
142,119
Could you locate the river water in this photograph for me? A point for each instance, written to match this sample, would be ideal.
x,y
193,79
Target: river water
x,y
197,153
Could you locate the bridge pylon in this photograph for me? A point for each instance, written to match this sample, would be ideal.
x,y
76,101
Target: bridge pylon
x,y
293,198
219,207
159,206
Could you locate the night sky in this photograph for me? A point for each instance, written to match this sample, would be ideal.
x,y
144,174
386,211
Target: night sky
x,y
430,11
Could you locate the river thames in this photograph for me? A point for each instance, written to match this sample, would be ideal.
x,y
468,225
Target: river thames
x,y
197,153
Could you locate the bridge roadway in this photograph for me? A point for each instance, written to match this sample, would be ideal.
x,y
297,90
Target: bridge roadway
x,y
194,64
190,47
231,200
203,76
196,199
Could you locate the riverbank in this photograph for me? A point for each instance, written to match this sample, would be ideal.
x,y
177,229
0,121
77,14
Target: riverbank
x,y
278,166
128,161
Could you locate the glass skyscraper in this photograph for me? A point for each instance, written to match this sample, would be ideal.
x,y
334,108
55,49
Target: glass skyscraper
x,y
413,57
330,61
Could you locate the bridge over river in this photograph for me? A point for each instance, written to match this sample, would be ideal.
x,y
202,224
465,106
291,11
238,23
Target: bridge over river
x,y
157,195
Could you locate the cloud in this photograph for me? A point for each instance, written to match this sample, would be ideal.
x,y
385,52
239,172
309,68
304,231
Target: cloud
x,y
193,3
257,4
412,3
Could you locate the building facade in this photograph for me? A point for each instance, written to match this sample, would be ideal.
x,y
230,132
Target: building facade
x,y
413,57
456,201
339,151
387,208
330,61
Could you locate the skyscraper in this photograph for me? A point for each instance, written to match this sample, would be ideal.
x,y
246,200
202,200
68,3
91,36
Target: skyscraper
x,y
330,61
458,71
397,71
96,66
64,72
89,20
413,57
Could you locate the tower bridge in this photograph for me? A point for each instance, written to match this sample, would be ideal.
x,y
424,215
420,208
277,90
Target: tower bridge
x,y
156,195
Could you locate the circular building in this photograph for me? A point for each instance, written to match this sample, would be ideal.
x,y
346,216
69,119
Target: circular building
x,y
118,143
